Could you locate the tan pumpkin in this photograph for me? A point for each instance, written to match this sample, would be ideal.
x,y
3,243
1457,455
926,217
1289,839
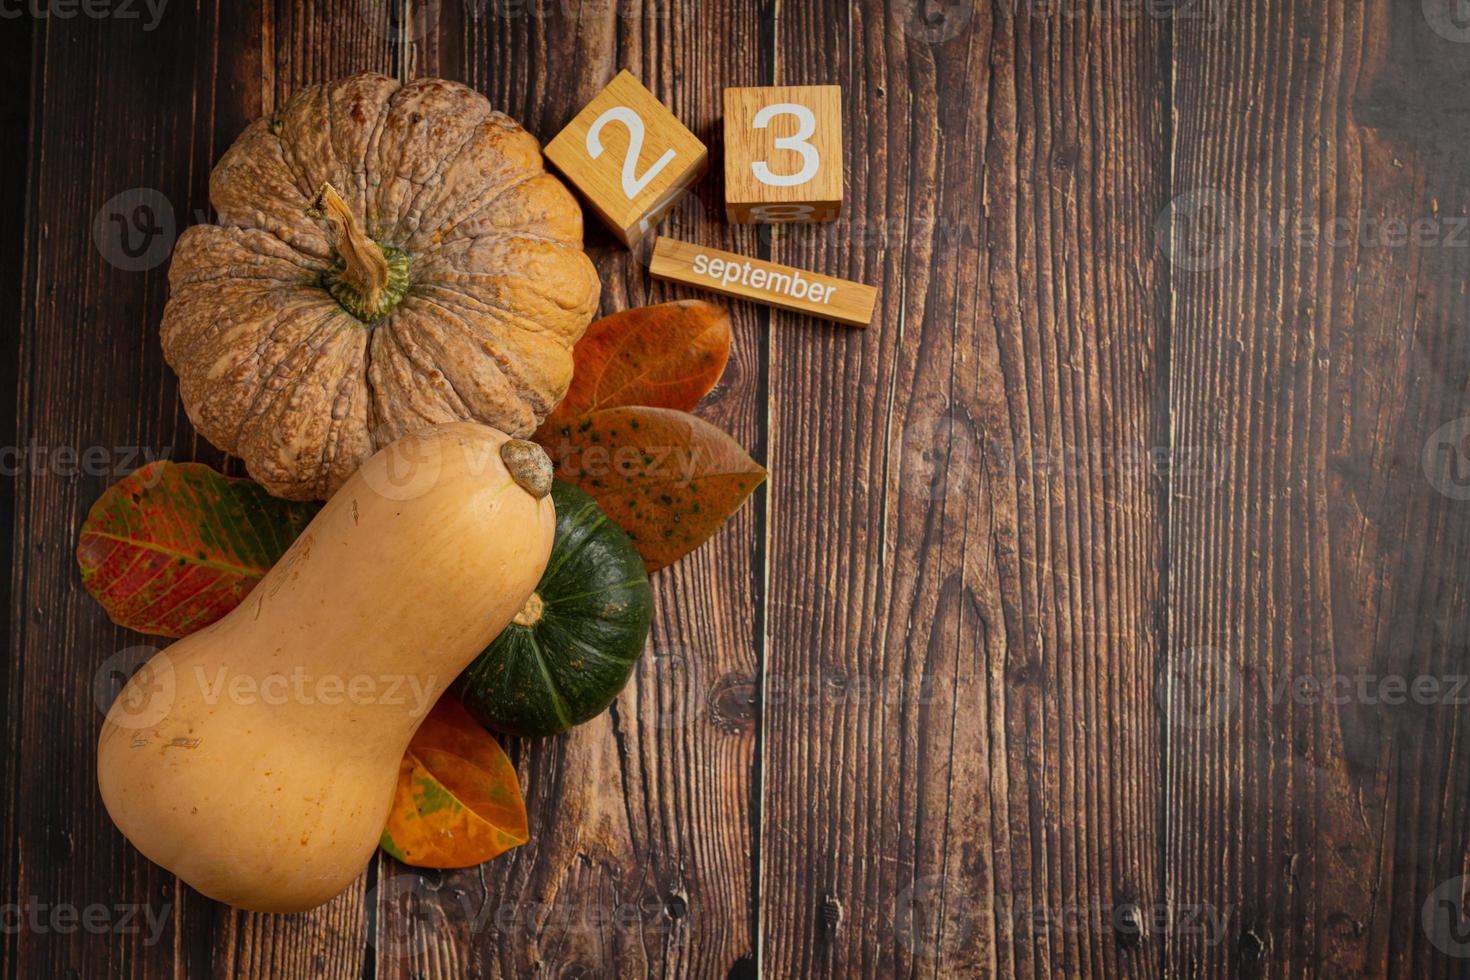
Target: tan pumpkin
x,y
387,257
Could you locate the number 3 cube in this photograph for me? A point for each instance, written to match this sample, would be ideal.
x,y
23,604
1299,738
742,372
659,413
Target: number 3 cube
x,y
628,156
783,154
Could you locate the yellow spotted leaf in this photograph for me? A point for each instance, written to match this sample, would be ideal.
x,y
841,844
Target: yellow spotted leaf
x,y
667,478
459,803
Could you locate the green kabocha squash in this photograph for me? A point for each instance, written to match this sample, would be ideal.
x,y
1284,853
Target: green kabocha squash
x,y
568,653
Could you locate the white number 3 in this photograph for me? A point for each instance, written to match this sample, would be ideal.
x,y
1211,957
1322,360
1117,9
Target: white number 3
x,y
810,159
632,183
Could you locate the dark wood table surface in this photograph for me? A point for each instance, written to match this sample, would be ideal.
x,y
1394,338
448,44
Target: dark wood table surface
x,y
1062,641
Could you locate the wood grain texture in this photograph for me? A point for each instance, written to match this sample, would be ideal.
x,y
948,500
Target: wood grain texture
x,y
967,783
1160,427
1316,351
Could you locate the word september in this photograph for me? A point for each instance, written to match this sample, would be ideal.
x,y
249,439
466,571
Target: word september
x,y
777,282
764,282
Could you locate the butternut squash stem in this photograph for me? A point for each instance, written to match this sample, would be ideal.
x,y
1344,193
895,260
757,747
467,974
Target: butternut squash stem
x,y
367,267
528,465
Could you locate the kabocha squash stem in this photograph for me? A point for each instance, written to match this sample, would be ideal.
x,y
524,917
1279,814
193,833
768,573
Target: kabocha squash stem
x,y
367,268
369,278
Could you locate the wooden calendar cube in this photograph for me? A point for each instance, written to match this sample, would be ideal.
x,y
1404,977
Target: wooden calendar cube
x,y
783,154
628,156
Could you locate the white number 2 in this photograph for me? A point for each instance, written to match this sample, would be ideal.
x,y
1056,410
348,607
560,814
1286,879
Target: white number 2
x,y
632,183
810,159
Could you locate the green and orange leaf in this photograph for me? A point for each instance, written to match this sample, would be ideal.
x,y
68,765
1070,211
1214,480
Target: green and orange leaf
x,y
668,478
459,803
172,547
664,356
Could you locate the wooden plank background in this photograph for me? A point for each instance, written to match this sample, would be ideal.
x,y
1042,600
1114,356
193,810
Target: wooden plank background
x,y
1062,641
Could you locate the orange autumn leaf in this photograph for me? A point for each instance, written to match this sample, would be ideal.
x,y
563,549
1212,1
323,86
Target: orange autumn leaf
x,y
667,478
666,356
458,803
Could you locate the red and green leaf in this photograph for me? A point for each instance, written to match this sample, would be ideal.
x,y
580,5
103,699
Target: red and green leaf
x,y
668,478
459,802
172,547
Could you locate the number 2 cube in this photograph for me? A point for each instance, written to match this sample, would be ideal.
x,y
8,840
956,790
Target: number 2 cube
x,y
628,156
783,154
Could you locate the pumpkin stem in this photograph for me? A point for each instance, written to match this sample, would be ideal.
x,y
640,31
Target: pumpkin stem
x,y
528,465
530,613
369,279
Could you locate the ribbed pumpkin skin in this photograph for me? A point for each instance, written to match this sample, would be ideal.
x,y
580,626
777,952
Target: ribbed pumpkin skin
x,y
273,369
569,666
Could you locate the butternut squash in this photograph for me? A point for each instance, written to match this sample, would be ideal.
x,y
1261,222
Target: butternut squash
x,y
257,759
